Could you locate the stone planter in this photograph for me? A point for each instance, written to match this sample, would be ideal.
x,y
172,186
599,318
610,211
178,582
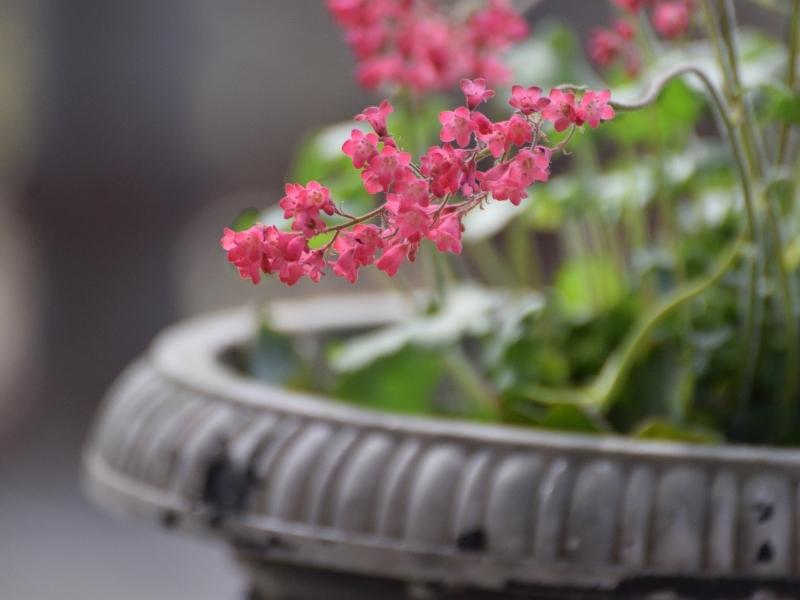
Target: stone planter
x,y
322,500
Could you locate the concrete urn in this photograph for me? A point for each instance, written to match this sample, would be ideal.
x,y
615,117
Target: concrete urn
x,y
319,499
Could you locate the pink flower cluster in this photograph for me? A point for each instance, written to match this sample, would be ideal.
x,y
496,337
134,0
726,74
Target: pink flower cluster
x,y
478,159
670,18
418,45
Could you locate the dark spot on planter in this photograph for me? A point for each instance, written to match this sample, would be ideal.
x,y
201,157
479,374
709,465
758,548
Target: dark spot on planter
x,y
763,511
225,489
472,541
262,545
169,519
765,553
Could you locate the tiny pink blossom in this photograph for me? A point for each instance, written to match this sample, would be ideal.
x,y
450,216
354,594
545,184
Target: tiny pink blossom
x,y
475,91
443,166
594,108
392,258
446,233
360,147
528,100
356,248
632,6
604,46
314,265
518,131
245,251
304,203
412,223
530,166
671,19
376,116
561,110
456,125
496,139
497,26
284,254
386,168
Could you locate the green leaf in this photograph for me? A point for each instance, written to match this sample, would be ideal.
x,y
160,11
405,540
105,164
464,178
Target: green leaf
x,y
245,219
568,417
587,287
786,107
467,310
661,429
402,382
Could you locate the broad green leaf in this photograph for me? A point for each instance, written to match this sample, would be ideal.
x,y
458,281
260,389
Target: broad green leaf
x,y
578,419
586,287
467,310
402,382
661,429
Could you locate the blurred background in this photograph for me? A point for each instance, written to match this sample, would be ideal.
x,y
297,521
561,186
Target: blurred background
x,y
131,132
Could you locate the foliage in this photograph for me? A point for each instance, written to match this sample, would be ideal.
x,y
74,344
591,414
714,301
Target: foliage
x,y
666,306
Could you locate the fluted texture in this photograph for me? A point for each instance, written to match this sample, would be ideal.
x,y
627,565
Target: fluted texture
x,y
185,440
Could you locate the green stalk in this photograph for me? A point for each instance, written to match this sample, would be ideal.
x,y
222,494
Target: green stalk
x,y
791,76
611,378
467,377
752,326
755,152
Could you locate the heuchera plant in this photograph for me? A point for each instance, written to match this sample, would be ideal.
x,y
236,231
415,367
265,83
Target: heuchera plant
x,y
667,308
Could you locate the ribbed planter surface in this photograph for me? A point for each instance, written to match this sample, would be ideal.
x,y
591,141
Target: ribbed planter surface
x,y
425,507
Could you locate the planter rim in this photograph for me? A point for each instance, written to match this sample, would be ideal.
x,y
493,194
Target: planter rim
x,y
188,354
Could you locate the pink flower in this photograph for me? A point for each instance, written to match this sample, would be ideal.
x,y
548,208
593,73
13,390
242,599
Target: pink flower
x,y
604,46
314,265
530,166
376,71
594,108
528,100
672,19
356,248
386,168
245,251
423,46
304,203
607,45
285,254
376,116
361,148
518,131
491,134
475,91
561,110
497,26
456,125
409,193
443,165
411,223
509,180
632,6
624,30
392,258
446,233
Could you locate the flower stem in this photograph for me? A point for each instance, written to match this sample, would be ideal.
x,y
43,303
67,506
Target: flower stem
x,y
791,76
752,325
609,381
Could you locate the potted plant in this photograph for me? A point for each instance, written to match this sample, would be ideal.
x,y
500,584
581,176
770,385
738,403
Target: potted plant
x,y
587,382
